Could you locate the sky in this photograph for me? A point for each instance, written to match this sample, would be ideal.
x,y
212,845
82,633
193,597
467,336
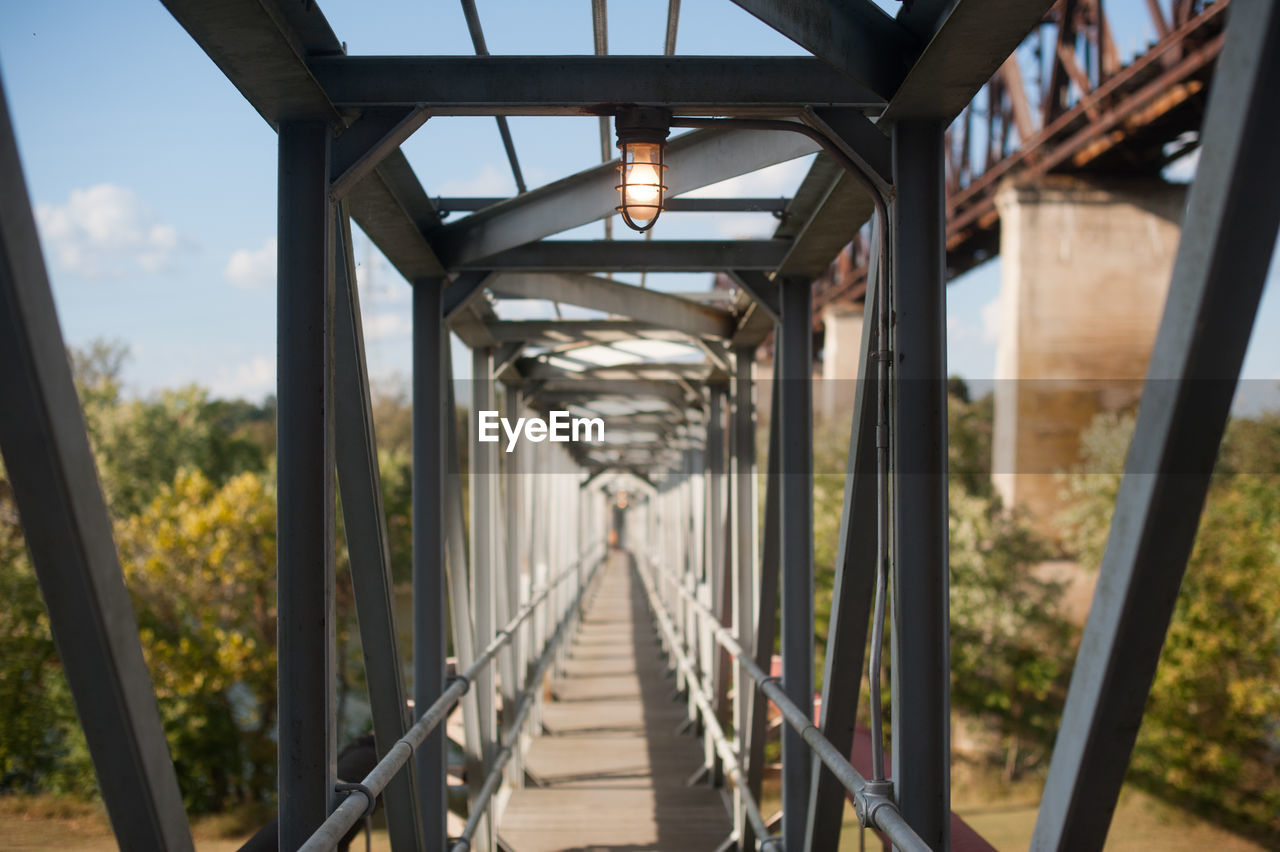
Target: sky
x,y
154,181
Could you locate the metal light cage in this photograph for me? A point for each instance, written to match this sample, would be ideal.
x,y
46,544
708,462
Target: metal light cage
x,y
642,136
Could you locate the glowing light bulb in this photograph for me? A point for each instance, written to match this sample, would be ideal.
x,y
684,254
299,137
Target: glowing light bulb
x,y
642,184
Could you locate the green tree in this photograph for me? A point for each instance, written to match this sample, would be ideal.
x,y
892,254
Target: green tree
x,y
1210,737
200,563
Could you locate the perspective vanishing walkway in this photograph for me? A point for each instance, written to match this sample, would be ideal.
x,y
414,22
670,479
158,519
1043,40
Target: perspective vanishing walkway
x,y
610,767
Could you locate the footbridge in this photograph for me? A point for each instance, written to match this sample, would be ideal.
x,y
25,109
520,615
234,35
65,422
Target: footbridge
x,y
613,607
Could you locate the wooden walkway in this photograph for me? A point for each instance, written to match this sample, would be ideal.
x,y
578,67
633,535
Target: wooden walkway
x,y
610,766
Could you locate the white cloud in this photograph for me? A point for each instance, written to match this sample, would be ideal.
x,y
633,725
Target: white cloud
x,y
991,322
105,231
252,379
252,269
386,326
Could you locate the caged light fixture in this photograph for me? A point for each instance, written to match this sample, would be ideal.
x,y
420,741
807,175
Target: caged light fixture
x,y
642,138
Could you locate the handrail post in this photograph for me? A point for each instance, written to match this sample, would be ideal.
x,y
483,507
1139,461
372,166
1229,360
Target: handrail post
x,y
483,552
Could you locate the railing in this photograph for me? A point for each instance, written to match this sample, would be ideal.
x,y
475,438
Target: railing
x,y
873,802
361,797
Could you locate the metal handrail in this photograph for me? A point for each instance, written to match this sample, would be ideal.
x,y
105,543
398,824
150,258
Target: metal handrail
x,y
875,808
728,755
361,797
527,699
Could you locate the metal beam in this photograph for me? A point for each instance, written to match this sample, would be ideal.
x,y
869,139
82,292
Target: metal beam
x,y
614,297
761,288
363,145
744,524
776,206
968,44
68,534
637,256
851,597
463,289
920,657
260,45
482,487
766,608
360,487
795,423
1218,277
430,343
552,332
694,160
853,36
305,464
589,85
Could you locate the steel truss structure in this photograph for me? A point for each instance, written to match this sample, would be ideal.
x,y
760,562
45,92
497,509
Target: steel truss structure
x,y
880,92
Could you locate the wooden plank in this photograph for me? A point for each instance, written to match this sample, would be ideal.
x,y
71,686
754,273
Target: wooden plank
x,y
612,767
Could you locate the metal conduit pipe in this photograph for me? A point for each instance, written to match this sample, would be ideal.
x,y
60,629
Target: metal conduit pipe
x,y
728,755
527,700
874,810
361,797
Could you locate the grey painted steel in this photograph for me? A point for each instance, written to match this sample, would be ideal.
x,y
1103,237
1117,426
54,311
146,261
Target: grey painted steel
x,y
588,85
724,749
766,610
882,813
430,342
305,525
744,524
516,524
851,596
614,297
761,288
554,332
462,204
484,558
363,145
463,289
68,534
259,45
1227,238
637,256
694,160
521,711
719,549
920,655
794,359
360,487
853,36
356,803
964,48
457,582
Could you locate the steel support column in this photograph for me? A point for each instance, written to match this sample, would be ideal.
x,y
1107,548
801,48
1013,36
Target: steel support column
x,y
305,483
484,465
717,548
360,487
920,657
744,542
1227,240
429,410
795,422
68,533
854,586
766,610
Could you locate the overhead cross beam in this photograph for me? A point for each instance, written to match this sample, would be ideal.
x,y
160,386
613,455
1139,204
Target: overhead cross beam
x,y
614,297
636,256
694,160
588,85
853,36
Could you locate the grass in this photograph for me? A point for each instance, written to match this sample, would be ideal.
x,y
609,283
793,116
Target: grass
x,y
1141,823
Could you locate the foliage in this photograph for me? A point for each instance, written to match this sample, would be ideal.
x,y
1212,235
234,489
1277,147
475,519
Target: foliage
x,y
200,562
1211,734
1010,645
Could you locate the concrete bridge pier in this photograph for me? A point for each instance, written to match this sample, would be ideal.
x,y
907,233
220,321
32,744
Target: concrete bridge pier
x,y
1084,274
